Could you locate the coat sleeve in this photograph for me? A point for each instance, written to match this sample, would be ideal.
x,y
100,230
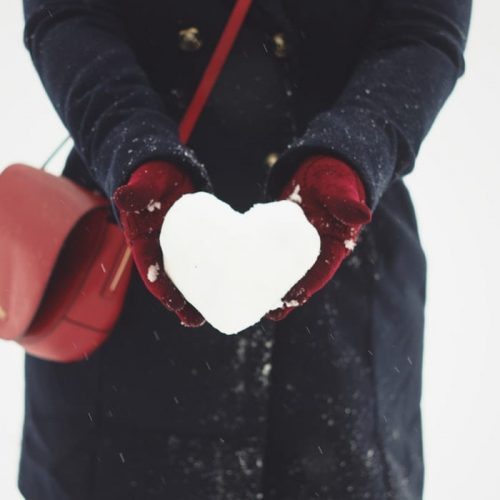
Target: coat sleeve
x,y
80,49
411,61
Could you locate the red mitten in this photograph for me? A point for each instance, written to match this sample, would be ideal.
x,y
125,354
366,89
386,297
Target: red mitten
x,y
333,199
142,204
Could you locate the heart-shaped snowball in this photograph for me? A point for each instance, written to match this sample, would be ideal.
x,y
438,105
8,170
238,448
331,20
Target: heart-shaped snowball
x,y
235,267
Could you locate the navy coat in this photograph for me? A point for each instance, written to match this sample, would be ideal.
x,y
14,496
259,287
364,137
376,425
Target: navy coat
x,y
324,404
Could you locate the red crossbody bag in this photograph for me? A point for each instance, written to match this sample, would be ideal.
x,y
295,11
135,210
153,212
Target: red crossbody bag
x,y
64,266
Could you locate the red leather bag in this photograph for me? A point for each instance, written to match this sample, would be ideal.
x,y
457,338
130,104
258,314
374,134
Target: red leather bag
x,y
64,266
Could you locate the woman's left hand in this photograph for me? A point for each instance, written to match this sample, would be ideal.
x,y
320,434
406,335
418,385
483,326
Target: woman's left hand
x,y
333,199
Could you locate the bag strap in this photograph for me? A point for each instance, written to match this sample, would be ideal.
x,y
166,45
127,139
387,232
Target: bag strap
x,y
45,164
213,69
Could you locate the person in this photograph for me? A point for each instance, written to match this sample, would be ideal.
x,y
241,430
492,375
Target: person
x,y
327,100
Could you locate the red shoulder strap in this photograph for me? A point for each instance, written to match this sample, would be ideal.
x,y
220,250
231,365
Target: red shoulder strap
x,y
213,69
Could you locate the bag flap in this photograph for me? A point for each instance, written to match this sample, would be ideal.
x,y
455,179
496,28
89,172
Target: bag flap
x,y
37,212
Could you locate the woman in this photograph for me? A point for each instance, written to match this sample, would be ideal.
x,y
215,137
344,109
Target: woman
x,y
332,96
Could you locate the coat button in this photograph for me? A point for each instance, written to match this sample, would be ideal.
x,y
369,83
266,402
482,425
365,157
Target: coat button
x,y
190,39
279,45
271,159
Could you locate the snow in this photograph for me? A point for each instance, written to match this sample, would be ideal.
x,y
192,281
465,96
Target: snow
x,y
266,369
153,272
295,196
350,244
153,205
235,267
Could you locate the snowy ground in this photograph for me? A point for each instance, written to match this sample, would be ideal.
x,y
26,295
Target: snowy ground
x,y
455,188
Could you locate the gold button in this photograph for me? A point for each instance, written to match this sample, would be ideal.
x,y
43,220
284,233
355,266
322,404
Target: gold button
x,y
279,45
190,39
3,314
271,159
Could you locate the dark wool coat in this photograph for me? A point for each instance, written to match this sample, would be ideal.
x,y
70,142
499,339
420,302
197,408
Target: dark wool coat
x,y
324,404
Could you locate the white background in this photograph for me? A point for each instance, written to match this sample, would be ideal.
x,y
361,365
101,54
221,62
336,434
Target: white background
x,y
455,188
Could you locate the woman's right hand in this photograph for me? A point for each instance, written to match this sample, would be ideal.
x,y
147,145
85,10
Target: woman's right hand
x,y
142,204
